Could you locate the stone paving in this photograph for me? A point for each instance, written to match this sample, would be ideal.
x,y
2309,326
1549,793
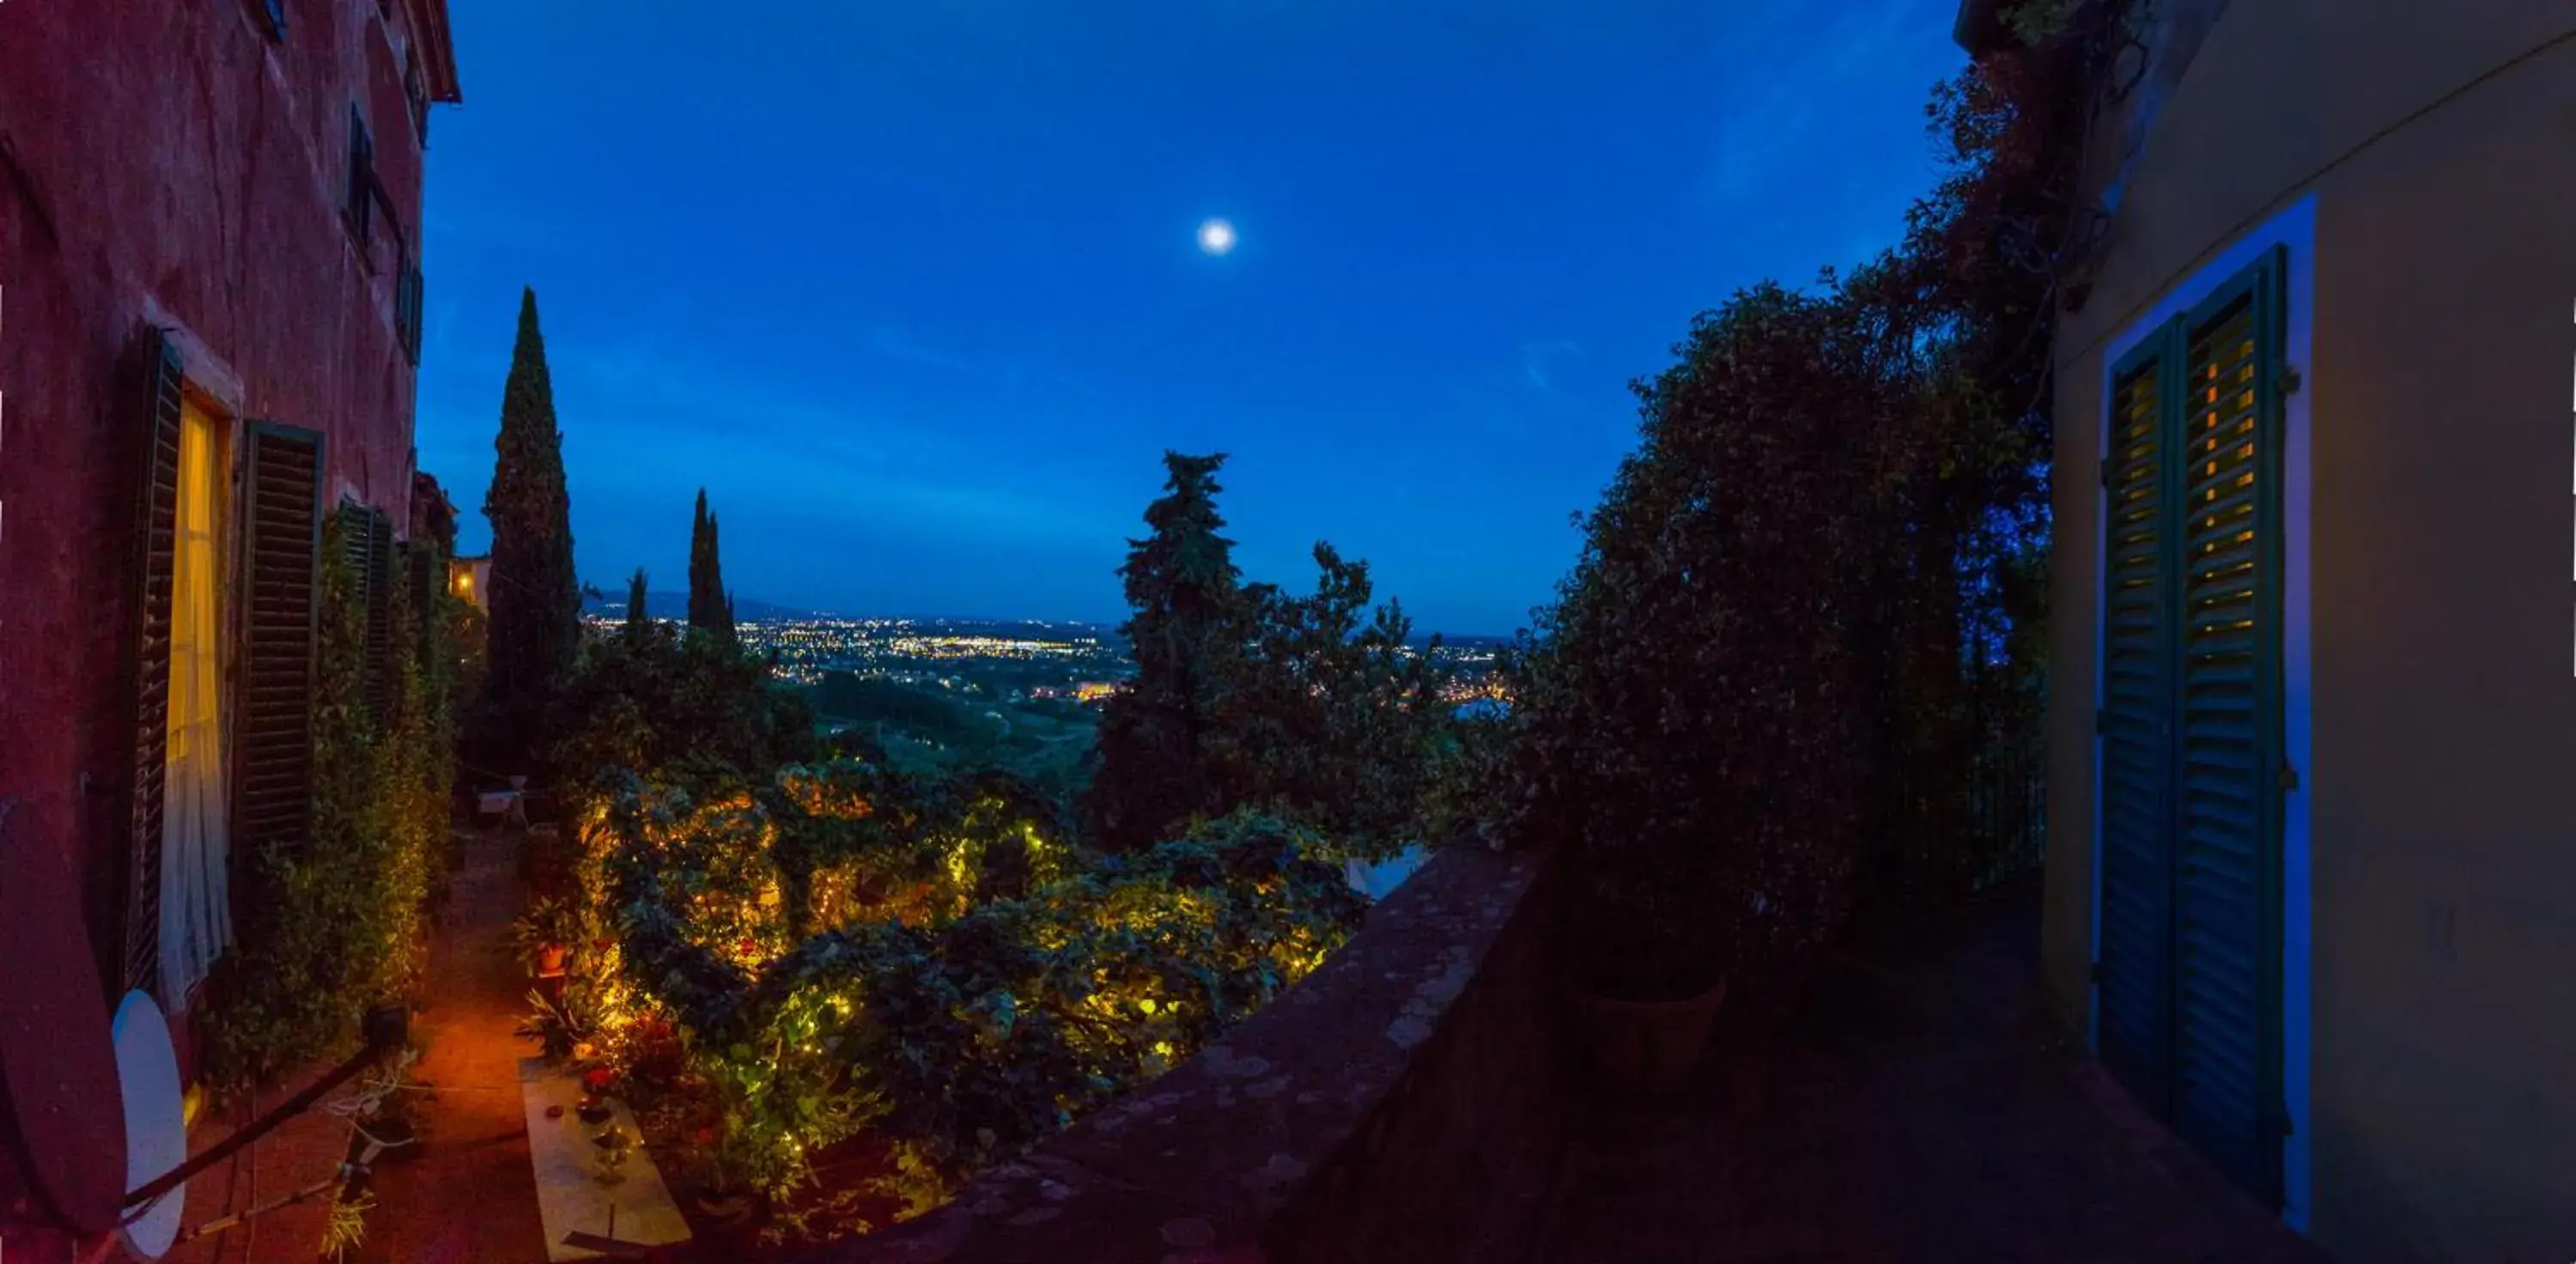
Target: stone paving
x,y
1920,1106
470,1196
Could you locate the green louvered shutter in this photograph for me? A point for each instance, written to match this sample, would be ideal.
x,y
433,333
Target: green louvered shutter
x,y
368,546
2140,635
281,552
2227,878
156,564
380,581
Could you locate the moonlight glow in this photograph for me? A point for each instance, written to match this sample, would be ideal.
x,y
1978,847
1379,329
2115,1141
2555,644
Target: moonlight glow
x,y
1216,237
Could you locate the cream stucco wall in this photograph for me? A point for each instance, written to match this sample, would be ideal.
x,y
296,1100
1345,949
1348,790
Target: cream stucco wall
x,y
2438,143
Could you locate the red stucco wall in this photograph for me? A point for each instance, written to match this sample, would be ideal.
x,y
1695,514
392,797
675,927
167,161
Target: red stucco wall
x,y
171,164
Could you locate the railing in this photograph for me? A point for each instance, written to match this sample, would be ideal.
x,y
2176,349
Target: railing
x,y
1949,827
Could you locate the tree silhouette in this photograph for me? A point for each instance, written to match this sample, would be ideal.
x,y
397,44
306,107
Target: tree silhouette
x,y
710,606
1152,765
637,622
536,601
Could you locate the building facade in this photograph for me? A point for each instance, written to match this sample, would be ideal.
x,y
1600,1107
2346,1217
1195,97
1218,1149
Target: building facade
x,y
2312,850
210,318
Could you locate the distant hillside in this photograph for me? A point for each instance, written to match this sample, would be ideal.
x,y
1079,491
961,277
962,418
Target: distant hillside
x,y
664,605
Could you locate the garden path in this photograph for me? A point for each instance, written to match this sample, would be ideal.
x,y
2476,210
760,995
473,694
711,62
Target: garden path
x,y
470,1196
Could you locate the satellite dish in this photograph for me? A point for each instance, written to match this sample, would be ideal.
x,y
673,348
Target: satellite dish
x,y
156,1127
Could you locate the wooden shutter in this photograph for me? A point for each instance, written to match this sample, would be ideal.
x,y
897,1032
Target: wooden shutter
x,y
281,553
2136,725
380,623
368,547
156,557
2192,770
2227,882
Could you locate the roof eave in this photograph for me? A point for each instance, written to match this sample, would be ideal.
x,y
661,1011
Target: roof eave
x,y
437,42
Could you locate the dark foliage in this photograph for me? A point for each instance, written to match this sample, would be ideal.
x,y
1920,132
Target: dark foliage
x,y
1326,714
700,707
1800,643
1153,769
535,627
710,608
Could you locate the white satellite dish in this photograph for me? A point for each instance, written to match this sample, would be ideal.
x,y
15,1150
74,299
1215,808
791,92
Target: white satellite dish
x,y
156,1127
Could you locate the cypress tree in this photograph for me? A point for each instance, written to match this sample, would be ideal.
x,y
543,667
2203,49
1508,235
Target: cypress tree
x,y
535,627
636,620
710,607
1153,767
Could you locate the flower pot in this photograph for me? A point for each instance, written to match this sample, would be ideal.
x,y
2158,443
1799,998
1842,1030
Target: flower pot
x,y
550,958
1646,1047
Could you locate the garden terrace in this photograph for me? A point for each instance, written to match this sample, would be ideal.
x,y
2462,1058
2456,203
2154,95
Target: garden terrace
x,y
1403,1102
1409,1102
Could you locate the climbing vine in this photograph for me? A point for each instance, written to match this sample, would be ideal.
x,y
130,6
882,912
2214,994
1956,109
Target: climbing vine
x,y
338,924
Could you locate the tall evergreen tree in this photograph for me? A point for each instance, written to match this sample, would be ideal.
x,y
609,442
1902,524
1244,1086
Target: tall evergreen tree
x,y
535,628
1153,761
637,621
710,607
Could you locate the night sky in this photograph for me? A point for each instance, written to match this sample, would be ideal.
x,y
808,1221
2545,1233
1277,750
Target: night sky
x,y
918,290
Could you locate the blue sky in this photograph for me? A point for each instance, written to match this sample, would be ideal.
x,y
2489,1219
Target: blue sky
x,y
914,289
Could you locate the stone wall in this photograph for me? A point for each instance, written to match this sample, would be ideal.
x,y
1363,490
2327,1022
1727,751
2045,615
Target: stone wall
x,y
1403,1103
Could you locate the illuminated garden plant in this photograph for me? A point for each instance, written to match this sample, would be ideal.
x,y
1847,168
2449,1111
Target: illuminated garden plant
x,y
833,957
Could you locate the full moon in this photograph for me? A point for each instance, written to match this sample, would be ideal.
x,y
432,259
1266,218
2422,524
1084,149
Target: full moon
x,y
1216,237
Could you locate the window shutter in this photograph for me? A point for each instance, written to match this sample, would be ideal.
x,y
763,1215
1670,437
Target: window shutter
x,y
2191,745
281,553
380,592
156,557
2139,644
368,546
407,313
2227,884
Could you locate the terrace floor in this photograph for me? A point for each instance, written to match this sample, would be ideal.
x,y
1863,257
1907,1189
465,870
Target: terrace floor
x,y
1920,1106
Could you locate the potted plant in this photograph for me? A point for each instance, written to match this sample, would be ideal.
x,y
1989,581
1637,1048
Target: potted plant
x,y
554,1024
545,935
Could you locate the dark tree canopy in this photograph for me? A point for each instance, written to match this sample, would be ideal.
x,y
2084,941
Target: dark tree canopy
x,y
710,606
535,627
1153,769
1329,717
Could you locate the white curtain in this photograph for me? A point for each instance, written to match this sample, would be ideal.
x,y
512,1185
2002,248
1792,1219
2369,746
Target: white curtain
x,y
196,918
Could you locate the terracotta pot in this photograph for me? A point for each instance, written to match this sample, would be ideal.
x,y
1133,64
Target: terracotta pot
x,y
550,958
1646,1046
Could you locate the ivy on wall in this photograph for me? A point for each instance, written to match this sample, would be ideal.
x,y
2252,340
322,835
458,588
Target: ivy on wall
x,y
340,921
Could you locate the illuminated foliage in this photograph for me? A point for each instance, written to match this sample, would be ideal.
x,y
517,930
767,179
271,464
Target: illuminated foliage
x,y
339,922
915,1013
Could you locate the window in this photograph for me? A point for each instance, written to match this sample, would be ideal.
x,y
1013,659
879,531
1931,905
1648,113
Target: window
x,y
362,179
407,313
416,90
2192,758
275,12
